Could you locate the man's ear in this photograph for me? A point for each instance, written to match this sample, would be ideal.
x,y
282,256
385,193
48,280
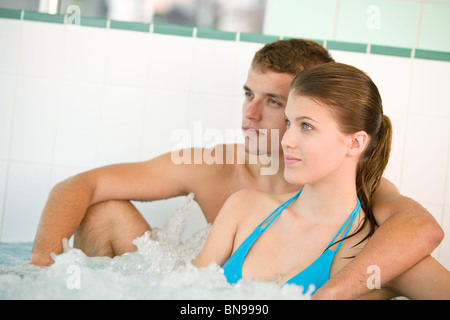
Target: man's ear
x,y
358,142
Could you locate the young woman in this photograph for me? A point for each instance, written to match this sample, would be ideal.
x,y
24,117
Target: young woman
x,y
336,148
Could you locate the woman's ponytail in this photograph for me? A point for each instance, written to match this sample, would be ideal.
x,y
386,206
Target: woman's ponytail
x,y
371,167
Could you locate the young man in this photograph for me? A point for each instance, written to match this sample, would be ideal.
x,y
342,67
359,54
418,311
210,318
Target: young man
x,y
96,206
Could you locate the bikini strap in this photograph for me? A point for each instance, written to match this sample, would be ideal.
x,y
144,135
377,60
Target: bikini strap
x,y
348,223
277,212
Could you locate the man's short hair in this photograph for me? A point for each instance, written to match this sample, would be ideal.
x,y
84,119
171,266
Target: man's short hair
x,y
290,56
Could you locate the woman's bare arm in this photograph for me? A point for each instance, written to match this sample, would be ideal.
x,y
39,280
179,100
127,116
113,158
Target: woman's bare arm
x,y
219,245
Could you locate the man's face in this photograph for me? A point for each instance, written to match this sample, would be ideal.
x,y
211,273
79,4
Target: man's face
x,y
266,95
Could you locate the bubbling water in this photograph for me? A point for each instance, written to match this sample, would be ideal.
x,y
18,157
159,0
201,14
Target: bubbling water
x,y
160,269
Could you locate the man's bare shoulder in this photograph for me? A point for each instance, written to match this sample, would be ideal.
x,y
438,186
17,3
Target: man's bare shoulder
x,y
211,174
194,160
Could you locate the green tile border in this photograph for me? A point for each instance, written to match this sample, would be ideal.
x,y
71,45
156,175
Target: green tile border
x,y
173,30
257,37
432,55
216,34
321,42
44,17
221,35
390,51
131,26
346,46
93,22
10,14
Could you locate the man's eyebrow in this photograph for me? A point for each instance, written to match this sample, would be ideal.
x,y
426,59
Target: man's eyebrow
x,y
271,95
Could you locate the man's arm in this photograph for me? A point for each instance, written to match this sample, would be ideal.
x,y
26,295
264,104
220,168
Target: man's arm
x,y
69,200
407,234
427,280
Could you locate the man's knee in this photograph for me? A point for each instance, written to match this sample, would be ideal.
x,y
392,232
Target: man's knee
x,y
101,215
109,228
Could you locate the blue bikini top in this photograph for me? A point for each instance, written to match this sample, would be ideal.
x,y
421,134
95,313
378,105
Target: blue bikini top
x,y
315,274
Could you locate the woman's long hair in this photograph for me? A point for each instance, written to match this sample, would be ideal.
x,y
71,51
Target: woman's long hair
x,y
356,103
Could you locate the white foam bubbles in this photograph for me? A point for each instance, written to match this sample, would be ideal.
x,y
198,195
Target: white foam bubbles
x,y
160,269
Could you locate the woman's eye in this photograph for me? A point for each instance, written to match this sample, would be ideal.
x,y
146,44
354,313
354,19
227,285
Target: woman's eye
x,y
306,126
287,122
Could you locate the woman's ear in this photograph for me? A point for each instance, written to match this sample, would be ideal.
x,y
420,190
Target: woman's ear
x,y
358,142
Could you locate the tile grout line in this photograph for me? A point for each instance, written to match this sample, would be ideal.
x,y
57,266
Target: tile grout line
x,y
336,18
11,130
419,26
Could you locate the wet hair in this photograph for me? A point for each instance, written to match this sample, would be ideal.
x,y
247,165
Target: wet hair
x,y
356,103
290,56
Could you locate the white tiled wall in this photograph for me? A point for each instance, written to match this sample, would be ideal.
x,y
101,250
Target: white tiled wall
x,y
77,98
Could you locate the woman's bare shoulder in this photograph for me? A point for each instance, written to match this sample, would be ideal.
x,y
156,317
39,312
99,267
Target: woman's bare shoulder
x,y
254,197
250,206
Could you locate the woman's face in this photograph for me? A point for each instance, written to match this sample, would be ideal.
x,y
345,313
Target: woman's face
x,y
314,147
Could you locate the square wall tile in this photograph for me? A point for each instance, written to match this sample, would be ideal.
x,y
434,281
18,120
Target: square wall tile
x,y
356,59
426,158
59,174
3,175
209,119
391,23
246,53
437,211
35,119
127,57
214,66
10,34
447,186
388,73
393,171
121,125
444,257
7,90
236,118
41,51
78,124
300,18
430,92
85,54
445,224
434,27
21,218
171,59
164,121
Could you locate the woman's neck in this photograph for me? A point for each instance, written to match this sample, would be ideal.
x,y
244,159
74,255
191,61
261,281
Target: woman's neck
x,y
328,202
